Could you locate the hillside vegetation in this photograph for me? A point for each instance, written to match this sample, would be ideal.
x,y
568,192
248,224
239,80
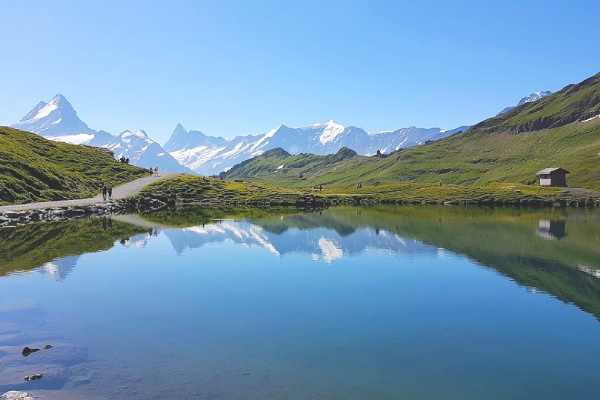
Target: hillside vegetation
x,y
558,130
36,169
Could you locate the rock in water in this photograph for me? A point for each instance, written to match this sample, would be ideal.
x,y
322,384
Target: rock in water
x,y
27,351
14,395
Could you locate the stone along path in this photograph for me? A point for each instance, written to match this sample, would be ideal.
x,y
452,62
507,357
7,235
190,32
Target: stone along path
x,y
120,192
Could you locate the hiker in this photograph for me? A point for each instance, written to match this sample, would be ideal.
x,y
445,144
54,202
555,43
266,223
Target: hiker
x,y
127,160
156,171
440,183
110,192
150,170
320,188
104,192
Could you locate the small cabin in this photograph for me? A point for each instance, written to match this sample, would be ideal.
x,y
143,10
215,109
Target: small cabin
x,y
553,177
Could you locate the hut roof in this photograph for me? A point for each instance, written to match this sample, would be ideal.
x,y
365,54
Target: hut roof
x,y
550,170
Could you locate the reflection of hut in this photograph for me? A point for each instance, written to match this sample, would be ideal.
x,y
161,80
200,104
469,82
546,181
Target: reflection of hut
x,y
551,229
553,177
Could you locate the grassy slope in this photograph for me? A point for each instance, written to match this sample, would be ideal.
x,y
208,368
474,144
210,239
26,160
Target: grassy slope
x,y
36,169
489,152
193,189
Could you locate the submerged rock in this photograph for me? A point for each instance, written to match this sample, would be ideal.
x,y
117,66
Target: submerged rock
x,y
27,351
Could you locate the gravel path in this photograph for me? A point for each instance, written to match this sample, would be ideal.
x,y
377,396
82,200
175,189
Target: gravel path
x,y
129,189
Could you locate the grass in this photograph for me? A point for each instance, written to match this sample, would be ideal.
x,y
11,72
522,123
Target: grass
x,y
36,169
190,189
194,189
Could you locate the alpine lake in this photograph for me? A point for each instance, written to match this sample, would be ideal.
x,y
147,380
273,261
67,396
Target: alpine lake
x,y
379,302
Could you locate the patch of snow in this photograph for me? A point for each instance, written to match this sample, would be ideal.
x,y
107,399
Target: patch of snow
x,y
281,166
400,144
329,250
46,110
196,157
591,119
80,138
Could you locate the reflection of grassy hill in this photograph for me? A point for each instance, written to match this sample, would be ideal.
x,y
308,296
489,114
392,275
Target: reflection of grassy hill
x,y
28,247
36,169
194,216
511,147
503,239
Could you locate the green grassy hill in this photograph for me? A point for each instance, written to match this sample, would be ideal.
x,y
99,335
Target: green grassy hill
x,y
36,169
509,148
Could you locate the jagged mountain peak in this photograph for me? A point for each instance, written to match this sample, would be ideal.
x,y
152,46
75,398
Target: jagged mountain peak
x,y
56,118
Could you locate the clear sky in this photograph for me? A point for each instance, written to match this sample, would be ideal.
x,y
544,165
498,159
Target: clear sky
x,y
236,67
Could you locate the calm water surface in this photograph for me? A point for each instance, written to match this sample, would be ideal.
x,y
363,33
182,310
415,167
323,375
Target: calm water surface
x,y
348,303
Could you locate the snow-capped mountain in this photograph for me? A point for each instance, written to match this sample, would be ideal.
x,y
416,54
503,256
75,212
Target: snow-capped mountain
x,y
57,120
143,152
211,155
528,99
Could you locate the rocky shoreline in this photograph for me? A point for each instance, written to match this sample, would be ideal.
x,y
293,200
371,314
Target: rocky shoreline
x,y
112,207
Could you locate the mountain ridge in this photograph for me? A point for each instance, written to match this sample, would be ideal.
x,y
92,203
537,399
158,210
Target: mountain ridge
x,y
562,129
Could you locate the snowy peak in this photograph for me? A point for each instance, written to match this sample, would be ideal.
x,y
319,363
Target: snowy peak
x,y
57,103
527,99
331,130
183,139
534,97
56,118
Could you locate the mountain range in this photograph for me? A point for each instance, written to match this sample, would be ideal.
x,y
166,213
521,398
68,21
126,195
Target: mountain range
x,y
192,151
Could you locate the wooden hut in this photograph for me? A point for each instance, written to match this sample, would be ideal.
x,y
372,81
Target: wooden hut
x,y
553,177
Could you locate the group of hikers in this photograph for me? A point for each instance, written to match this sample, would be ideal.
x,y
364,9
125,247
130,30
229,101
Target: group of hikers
x,y
106,192
124,160
153,171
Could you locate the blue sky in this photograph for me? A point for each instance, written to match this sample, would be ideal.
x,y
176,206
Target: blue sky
x,y
236,67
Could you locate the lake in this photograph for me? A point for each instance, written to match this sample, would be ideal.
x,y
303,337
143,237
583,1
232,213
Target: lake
x,y
381,302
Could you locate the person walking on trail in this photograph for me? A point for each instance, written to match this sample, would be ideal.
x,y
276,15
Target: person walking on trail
x,y
110,192
440,182
104,192
156,171
150,170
